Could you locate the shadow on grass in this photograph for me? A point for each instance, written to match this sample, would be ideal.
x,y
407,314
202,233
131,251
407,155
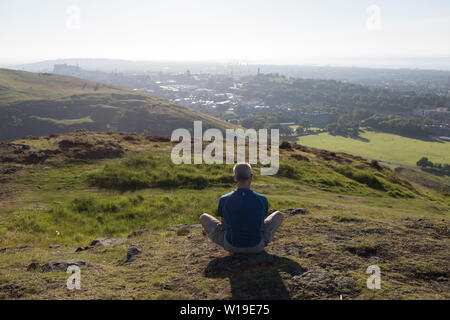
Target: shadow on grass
x,y
359,138
435,172
255,276
354,137
427,138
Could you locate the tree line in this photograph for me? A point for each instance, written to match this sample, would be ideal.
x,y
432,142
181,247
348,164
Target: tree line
x,y
427,164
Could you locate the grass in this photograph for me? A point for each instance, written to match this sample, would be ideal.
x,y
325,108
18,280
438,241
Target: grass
x,y
83,218
146,190
382,146
150,171
354,221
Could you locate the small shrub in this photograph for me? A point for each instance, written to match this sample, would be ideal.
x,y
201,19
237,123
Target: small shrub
x,y
285,145
287,170
83,204
364,177
183,232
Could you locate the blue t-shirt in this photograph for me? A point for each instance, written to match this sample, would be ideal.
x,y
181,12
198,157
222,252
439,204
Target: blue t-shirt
x,y
244,212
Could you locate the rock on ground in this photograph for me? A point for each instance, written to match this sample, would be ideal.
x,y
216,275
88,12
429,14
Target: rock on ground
x,y
33,266
102,242
319,279
184,226
294,211
107,241
62,265
133,250
291,211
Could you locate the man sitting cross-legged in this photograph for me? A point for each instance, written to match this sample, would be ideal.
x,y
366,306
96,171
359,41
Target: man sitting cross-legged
x,y
245,226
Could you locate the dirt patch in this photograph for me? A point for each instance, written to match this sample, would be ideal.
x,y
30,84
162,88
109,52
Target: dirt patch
x,y
9,169
320,282
22,153
84,150
15,248
299,157
438,230
78,145
11,291
158,138
365,251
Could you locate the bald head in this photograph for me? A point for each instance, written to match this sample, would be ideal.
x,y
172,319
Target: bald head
x,y
242,171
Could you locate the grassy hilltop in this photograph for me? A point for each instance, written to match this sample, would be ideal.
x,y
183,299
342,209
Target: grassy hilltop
x,y
70,189
40,104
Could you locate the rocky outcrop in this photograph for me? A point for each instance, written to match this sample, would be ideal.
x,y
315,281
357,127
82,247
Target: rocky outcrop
x,y
80,149
291,211
184,226
133,250
107,242
318,279
102,242
62,265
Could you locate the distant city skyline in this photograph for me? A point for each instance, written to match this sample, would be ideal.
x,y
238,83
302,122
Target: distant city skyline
x,y
410,34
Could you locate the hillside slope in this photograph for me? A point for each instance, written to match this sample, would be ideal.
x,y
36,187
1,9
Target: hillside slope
x,y
59,193
41,104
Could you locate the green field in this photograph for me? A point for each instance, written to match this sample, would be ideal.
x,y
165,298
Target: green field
x,y
382,146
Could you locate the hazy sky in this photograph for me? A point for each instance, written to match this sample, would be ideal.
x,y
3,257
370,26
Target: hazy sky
x,y
269,31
